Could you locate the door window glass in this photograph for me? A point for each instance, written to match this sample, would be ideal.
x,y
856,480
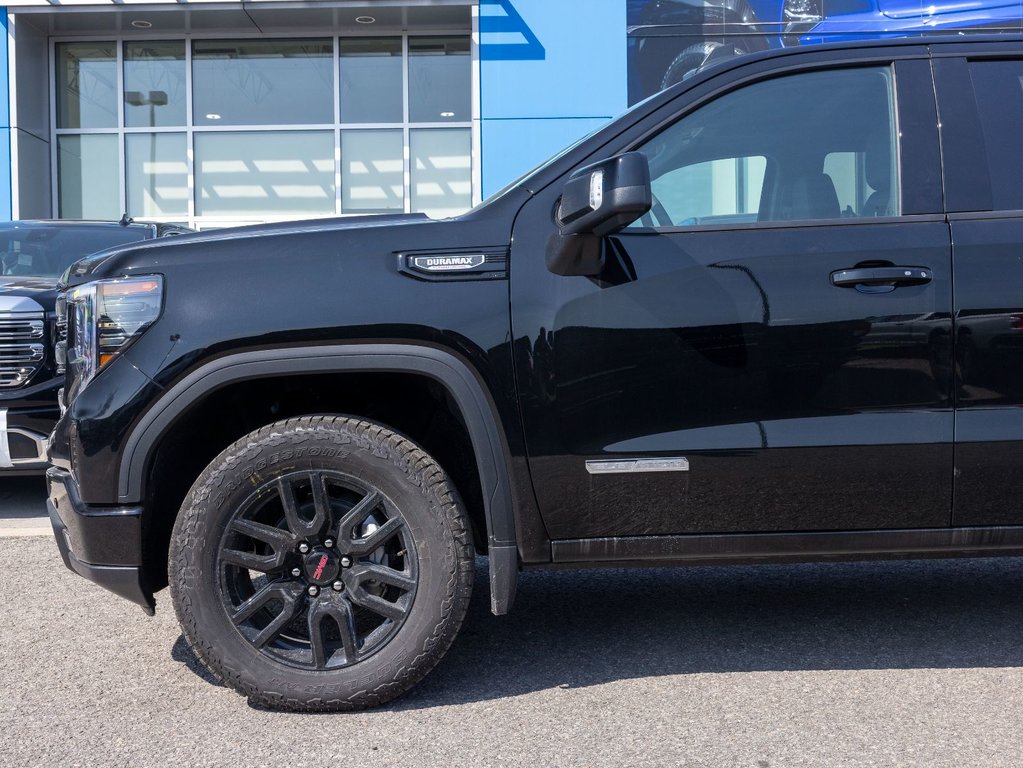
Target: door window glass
x,y
998,86
818,145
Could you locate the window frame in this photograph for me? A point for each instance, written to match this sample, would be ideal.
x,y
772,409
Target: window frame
x,y
472,125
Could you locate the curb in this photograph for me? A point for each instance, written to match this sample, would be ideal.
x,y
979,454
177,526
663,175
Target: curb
x,y
25,527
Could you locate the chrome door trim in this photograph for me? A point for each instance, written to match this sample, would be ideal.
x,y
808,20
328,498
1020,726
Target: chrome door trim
x,y
625,466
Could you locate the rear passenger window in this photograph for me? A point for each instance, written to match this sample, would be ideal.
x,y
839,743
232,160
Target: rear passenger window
x,y
998,86
816,145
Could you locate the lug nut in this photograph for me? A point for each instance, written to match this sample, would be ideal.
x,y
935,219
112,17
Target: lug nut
x,y
313,590
328,543
296,572
339,586
303,548
346,562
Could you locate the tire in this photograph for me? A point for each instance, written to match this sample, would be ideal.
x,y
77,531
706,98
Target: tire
x,y
387,552
691,59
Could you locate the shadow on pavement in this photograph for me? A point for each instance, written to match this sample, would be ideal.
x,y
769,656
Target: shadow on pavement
x,y
584,628
181,652
23,496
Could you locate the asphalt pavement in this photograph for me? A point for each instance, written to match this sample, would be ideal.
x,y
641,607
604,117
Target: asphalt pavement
x,y
23,507
881,664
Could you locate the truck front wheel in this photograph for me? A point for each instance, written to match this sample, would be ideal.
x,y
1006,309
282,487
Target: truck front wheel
x,y
321,563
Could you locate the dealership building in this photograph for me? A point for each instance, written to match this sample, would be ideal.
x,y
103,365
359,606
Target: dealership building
x,y
222,112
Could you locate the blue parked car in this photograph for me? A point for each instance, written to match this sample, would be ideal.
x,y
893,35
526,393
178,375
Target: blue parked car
x,y
670,38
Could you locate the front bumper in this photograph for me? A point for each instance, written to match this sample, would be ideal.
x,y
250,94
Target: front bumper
x,y
21,449
103,544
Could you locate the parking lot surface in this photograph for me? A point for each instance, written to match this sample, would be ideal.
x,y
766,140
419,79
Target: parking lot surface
x,y
886,664
23,507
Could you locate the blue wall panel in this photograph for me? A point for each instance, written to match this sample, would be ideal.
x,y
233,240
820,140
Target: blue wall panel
x,y
549,73
525,144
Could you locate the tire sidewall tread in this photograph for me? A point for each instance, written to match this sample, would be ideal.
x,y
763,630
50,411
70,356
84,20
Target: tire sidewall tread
x,y
371,453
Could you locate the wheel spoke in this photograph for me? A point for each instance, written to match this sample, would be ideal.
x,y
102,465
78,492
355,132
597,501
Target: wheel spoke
x,y
272,591
292,605
321,506
377,538
277,538
279,541
251,561
339,611
358,513
377,604
363,572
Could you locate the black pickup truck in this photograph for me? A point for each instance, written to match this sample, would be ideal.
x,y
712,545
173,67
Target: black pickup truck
x,y
33,255
772,314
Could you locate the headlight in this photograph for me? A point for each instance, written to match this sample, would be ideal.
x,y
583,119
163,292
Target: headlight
x,y
103,319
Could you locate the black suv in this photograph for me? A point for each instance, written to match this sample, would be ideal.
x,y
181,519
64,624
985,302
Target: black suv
x,y
773,314
33,255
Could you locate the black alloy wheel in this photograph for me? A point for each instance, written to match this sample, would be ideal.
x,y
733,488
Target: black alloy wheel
x,y
322,563
317,569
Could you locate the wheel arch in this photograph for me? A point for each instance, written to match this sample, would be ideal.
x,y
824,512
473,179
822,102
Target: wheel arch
x,y
447,369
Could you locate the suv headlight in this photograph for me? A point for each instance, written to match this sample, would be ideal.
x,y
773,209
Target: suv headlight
x,y
103,319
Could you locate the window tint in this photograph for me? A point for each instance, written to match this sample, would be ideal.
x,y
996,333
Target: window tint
x,y
998,86
819,145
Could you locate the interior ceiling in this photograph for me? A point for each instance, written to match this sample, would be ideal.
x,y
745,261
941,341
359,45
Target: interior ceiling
x,y
247,17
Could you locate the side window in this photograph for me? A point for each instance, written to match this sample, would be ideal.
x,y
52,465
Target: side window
x,y
998,86
817,145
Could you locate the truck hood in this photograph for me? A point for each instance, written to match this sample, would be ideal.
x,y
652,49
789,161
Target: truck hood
x,y
101,264
28,294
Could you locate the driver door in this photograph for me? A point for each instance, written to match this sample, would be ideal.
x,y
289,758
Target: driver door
x,y
735,367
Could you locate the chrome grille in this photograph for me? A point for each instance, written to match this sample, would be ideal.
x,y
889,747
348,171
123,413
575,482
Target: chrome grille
x,y
22,347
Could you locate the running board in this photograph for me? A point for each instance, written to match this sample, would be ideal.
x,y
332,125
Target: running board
x,y
790,547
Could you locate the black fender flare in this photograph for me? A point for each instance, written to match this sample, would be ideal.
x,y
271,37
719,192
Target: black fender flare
x,y
446,368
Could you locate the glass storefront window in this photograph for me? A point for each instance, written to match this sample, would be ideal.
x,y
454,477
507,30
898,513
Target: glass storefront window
x,y
226,132
156,168
372,171
89,184
154,84
262,82
86,85
265,173
441,171
440,77
371,80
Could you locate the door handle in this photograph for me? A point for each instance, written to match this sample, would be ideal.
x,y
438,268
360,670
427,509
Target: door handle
x,y
881,276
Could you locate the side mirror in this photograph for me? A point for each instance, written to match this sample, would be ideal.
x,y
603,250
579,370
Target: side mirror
x,y
605,197
598,200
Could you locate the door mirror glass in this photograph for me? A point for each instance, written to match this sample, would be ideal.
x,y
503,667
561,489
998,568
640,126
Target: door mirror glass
x,y
603,198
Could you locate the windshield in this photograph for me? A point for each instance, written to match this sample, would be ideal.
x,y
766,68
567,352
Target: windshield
x,y
46,250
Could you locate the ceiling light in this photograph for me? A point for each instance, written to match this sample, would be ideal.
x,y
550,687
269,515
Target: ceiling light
x,y
447,114
364,19
212,116
141,24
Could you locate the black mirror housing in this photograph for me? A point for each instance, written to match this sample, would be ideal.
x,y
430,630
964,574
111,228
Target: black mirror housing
x,y
602,198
